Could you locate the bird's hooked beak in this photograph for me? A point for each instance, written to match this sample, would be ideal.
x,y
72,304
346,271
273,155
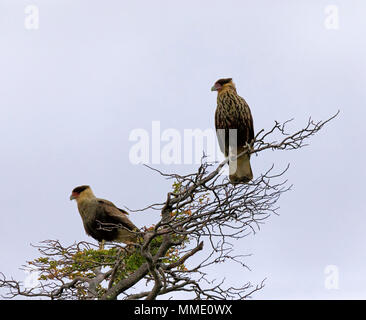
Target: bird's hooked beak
x,y
213,88
73,196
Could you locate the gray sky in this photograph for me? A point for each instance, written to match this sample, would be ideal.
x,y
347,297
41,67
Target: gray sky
x,y
73,89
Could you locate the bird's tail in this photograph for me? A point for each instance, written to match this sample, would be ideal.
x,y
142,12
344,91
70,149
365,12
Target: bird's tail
x,y
240,170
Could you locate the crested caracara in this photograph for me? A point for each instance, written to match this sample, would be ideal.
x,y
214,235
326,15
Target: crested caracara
x,y
102,220
234,128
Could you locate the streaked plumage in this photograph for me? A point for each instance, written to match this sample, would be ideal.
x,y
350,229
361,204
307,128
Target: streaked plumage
x,y
102,220
232,112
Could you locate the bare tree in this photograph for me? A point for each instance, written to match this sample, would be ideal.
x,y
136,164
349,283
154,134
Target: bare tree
x,y
203,209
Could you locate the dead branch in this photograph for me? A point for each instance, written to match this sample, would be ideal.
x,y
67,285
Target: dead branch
x,y
203,207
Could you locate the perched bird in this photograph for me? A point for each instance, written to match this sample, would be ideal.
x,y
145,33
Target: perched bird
x,y
232,112
102,220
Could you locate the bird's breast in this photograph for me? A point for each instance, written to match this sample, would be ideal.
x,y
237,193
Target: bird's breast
x,y
87,210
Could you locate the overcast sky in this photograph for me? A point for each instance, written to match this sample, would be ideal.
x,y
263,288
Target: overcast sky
x,y
77,82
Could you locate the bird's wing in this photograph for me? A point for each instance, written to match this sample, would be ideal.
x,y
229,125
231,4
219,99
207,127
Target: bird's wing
x,y
107,202
115,213
246,122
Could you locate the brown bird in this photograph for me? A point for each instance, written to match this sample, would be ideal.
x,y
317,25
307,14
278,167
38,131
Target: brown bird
x,y
234,128
102,220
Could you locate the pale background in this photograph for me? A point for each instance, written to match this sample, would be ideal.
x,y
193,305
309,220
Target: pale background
x,y
72,90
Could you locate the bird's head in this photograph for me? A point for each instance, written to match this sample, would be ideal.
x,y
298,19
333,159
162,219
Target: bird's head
x,y
81,192
222,84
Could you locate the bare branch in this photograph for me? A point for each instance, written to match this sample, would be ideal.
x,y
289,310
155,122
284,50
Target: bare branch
x,y
203,207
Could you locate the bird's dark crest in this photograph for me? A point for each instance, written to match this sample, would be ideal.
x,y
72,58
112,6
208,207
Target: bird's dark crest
x,y
224,81
80,189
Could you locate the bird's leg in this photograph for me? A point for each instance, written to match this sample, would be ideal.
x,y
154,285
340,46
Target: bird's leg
x,y
101,245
